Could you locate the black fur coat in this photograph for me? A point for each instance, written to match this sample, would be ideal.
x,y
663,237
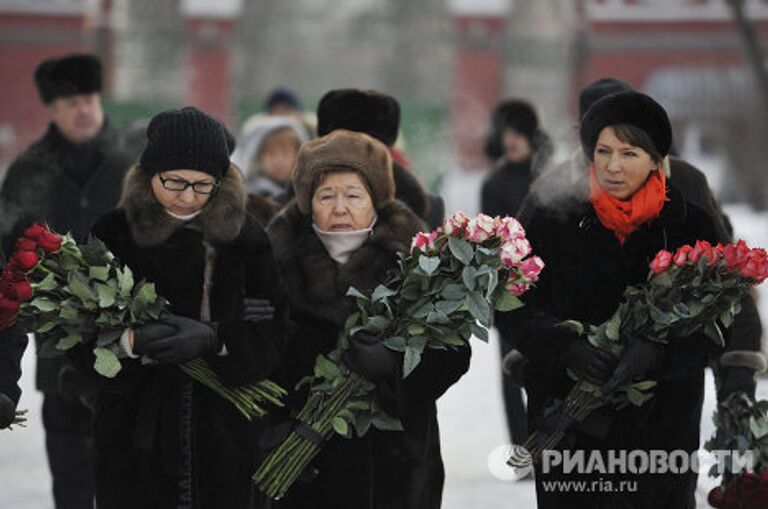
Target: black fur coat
x,y
139,453
395,470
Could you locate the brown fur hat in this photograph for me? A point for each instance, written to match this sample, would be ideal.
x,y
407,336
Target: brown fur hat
x,y
339,151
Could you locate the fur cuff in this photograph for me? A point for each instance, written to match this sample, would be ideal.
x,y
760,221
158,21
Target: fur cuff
x,y
744,359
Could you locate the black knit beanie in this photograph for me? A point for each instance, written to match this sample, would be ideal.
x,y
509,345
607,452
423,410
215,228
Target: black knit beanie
x,y
186,139
632,108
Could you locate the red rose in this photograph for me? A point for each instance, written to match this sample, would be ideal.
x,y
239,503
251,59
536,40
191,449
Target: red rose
x,y
735,255
20,291
704,248
715,497
35,231
8,311
25,260
25,244
681,255
662,262
50,242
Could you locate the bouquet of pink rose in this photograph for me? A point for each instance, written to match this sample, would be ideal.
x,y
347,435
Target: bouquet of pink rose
x,y
439,296
696,289
73,295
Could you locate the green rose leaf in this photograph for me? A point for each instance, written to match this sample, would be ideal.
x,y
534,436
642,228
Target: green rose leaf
x,y
68,341
452,339
340,426
613,327
99,273
479,309
454,292
107,364
78,285
47,284
480,333
437,317
505,301
108,337
416,329
125,281
43,304
423,311
69,314
146,293
377,324
412,357
429,264
713,332
48,350
396,343
354,292
468,275
461,249
381,292
106,294
447,306
326,369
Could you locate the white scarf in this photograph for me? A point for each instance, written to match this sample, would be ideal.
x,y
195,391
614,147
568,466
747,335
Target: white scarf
x,y
188,217
341,245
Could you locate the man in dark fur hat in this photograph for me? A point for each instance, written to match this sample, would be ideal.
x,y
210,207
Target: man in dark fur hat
x,y
69,177
378,115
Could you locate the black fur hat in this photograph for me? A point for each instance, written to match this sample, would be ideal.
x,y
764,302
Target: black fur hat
x,y
631,108
512,114
186,139
69,75
599,89
368,112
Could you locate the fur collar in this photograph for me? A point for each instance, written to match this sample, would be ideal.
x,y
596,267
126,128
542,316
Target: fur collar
x,y
317,285
220,221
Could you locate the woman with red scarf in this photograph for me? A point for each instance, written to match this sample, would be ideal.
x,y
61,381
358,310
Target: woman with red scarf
x,y
596,240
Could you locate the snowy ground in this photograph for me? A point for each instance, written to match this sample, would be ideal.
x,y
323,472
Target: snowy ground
x,y
471,420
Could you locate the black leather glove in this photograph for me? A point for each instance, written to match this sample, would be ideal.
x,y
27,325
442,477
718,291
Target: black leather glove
x,y
7,411
737,379
151,332
190,340
369,357
638,358
588,362
257,310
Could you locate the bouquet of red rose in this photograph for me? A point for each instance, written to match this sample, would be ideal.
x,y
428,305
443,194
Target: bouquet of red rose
x,y
440,295
72,295
696,289
741,425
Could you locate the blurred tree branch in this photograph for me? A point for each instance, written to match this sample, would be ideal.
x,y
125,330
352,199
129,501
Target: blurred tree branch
x,y
754,51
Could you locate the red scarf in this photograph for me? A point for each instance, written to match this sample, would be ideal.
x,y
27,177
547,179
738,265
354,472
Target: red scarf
x,y
625,217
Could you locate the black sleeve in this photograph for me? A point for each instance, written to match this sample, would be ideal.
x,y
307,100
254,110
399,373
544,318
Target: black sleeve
x,y
12,345
255,350
533,329
435,374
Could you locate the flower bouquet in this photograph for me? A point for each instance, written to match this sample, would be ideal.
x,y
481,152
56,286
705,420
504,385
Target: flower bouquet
x,y
440,295
696,289
741,425
71,295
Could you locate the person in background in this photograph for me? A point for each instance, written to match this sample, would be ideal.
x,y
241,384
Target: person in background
x,y
345,229
378,115
161,439
69,177
518,149
266,154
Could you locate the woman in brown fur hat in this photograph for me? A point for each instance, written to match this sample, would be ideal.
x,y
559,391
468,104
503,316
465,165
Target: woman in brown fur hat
x,y
344,229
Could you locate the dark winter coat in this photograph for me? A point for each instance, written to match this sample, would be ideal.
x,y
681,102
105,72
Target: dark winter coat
x,y
45,183
383,469
138,430
586,272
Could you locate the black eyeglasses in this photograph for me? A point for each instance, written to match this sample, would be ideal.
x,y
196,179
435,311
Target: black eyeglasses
x,y
179,185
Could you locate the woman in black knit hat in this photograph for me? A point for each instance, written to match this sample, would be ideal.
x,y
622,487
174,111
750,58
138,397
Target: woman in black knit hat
x,y
596,241
162,440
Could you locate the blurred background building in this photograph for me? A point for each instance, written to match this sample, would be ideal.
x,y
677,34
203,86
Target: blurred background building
x,y
447,61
